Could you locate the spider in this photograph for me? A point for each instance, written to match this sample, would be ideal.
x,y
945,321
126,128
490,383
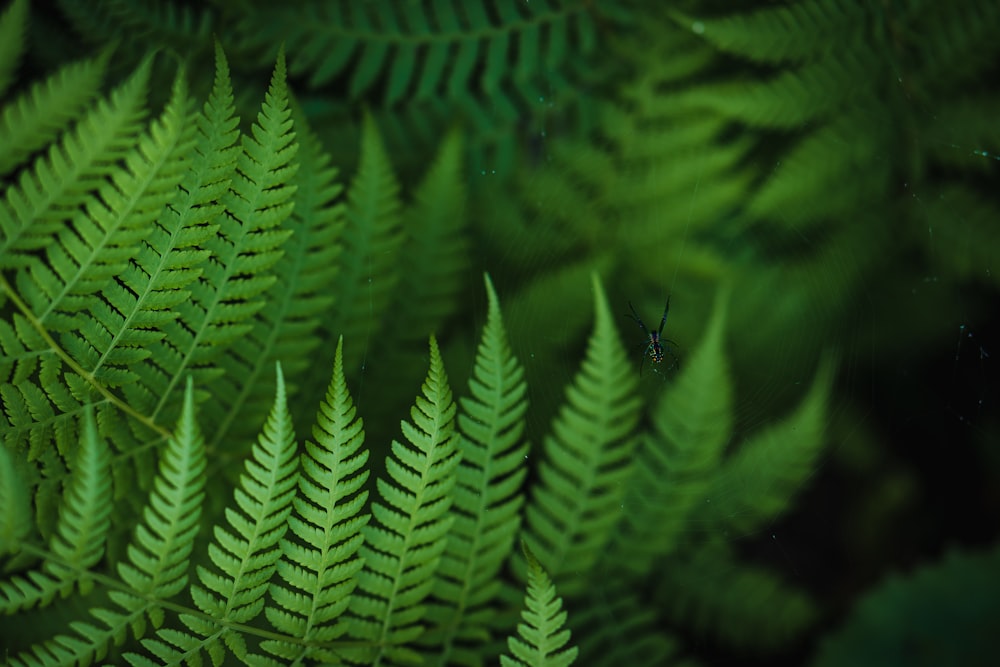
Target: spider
x,y
654,346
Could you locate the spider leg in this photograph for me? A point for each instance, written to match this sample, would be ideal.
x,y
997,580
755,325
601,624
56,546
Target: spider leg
x,y
663,320
638,320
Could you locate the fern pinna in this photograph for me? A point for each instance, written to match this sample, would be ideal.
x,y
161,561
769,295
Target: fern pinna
x,y
159,262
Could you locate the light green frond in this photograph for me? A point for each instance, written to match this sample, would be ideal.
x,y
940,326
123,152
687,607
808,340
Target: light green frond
x,y
757,483
488,497
15,509
33,119
158,555
813,91
676,461
244,554
118,327
300,298
79,539
789,32
587,458
403,545
65,179
371,244
824,167
751,609
187,234
437,254
12,28
321,557
541,642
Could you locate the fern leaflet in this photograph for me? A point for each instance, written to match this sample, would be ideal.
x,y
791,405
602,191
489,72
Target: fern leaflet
x,y
587,457
487,496
542,642
403,546
245,555
320,564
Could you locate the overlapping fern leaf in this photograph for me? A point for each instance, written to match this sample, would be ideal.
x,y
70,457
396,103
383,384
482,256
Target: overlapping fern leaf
x,y
157,563
405,542
488,498
542,641
320,562
575,504
244,554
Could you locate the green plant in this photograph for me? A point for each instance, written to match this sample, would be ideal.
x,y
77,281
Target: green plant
x,y
155,269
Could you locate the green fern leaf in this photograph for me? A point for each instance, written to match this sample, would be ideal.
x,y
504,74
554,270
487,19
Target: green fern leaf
x,y
12,28
64,180
35,117
757,482
577,500
825,166
320,565
715,596
676,462
300,297
79,539
186,236
157,557
542,642
246,554
115,332
371,244
403,546
436,248
791,32
488,497
15,509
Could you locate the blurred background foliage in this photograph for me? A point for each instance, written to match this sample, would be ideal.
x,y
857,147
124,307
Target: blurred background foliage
x,y
836,162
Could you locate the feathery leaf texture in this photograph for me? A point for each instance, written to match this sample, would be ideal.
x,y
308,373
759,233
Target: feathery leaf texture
x,y
79,539
246,554
488,497
372,239
574,507
403,545
320,562
541,641
730,608
692,424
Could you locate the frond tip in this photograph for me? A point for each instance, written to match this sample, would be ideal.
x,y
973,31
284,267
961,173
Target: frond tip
x,y
541,642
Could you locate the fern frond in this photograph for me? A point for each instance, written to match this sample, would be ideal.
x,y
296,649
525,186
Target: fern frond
x,y
116,329
825,166
403,546
12,29
814,91
488,496
423,51
436,246
246,554
186,235
676,461
542,641
319,567
81,531
31,120
15,509
577,499
712,594
616,626
371,244
758,481
791,32
61,182
157,556
300,298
